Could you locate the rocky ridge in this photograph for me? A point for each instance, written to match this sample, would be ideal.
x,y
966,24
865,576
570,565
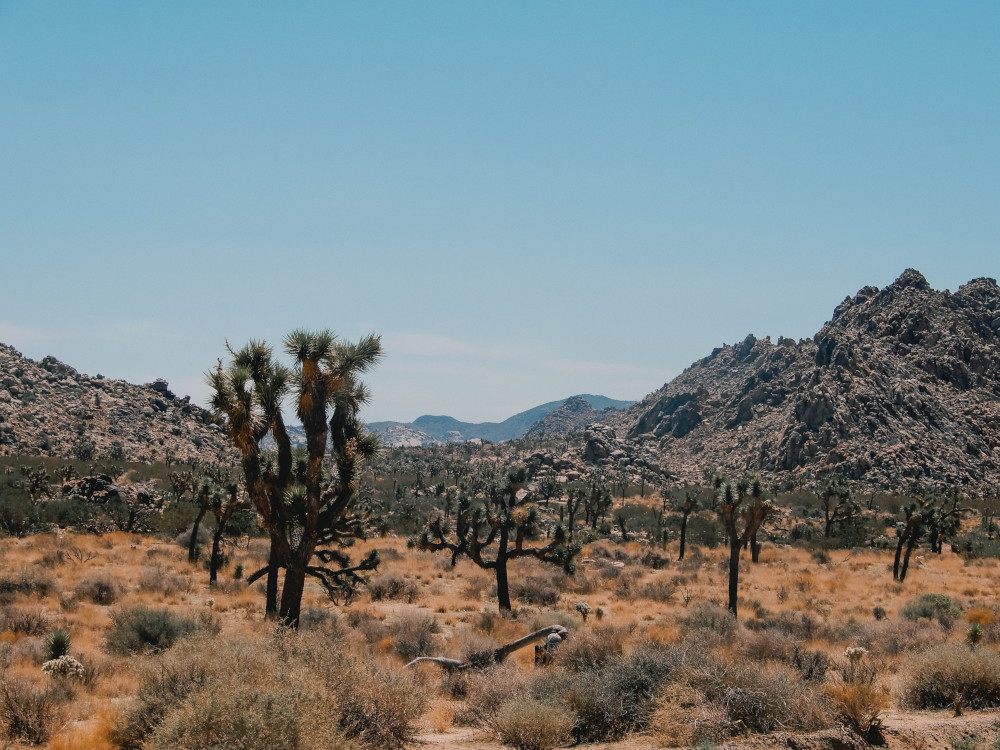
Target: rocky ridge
x,y
48,408
573,416
902,385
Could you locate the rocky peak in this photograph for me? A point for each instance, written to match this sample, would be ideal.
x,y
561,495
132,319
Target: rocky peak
x,y
49,408
901,385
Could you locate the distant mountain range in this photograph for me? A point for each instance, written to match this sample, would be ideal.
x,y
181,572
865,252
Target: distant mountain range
x,y
436,430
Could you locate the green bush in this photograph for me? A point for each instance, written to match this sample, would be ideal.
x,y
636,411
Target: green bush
x,y
140,629
938,607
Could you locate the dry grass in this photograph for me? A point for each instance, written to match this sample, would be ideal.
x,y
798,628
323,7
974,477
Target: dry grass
x,y
788,598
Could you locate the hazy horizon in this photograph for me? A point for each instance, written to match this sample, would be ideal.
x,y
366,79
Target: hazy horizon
x,y
527,201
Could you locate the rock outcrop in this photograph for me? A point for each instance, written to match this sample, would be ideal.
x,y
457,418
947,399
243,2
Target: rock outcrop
x,y
48,408
902,385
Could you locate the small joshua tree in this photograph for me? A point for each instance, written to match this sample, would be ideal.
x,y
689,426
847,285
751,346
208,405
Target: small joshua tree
x,y
743,509
497,529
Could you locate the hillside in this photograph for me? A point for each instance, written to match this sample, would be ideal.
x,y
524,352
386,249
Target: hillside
x,y
49,408
436,430
902,385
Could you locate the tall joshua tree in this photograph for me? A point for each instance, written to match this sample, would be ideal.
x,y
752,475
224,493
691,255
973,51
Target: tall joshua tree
x,y
306,509
506,518
743,510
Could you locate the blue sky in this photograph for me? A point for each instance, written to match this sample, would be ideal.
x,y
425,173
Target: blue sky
x,y
528,200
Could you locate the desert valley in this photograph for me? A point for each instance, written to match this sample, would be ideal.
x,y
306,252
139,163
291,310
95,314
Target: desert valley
x,y
792,543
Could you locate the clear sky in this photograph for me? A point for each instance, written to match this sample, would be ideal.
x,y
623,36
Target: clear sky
x,y
528,200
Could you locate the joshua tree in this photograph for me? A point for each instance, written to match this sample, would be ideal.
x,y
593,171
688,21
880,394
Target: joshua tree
x,y
838,503
307,511
686,506
506,518
743,510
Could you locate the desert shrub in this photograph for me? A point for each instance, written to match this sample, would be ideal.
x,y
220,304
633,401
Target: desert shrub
x,y
392,586
767,645
799,625
893,637
709,616
164,682
952,676
29,649
811,665
592,650
99,589
140,629
208,694
156,579
658,591
26,582
938,607
23,621
413,634
379,707
761,700
526,723
475,586
487,690
368,624
27,712
236,714
536,590
860,706
322,620
615,699
683,718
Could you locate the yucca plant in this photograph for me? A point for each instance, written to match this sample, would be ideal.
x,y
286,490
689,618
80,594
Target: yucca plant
x,y
57,644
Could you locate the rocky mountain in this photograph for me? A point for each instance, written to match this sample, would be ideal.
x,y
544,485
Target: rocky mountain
x,y
902,385
49,408
438,430
573,416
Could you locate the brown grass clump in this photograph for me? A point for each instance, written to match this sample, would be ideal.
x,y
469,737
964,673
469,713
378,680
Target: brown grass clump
x,y
860,705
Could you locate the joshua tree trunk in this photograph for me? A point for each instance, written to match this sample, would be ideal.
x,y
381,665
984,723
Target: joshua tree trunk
x,y
734,574
271,604
910,545
193,544
754,549
684,528
216,561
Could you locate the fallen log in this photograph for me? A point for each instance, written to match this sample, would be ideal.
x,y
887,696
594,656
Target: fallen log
x,y
553,635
